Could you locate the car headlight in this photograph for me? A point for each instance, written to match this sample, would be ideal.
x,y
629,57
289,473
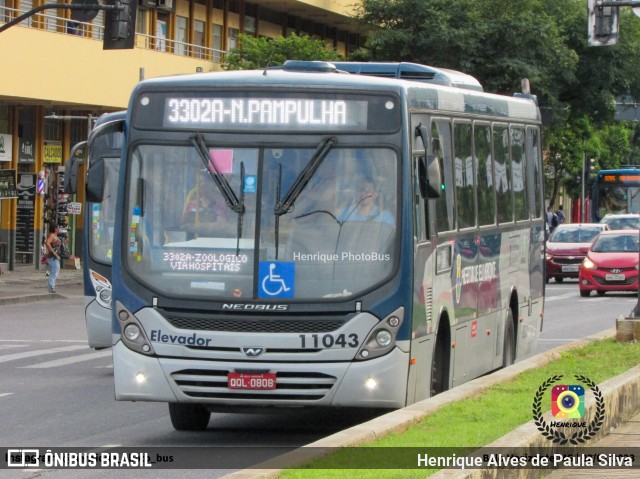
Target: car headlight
x,y
588,264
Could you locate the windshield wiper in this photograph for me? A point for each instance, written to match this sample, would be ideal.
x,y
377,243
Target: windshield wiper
x,y
230,198
303,178
221,182
299,184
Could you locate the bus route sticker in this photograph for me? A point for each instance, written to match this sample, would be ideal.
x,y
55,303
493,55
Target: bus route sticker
x,y
276,279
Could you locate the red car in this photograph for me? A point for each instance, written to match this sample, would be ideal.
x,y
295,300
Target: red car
x,y
567,247
611,264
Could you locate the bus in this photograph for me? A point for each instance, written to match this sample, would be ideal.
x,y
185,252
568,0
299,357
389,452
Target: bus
x,y
616,192
291,238
99,222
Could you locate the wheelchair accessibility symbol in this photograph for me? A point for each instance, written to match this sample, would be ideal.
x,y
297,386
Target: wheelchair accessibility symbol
x,y
276,279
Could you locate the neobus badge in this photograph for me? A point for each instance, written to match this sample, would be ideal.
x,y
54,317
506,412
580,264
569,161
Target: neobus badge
x,y
256,307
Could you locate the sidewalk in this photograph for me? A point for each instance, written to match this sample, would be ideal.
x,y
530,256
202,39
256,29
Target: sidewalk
x,y
26,284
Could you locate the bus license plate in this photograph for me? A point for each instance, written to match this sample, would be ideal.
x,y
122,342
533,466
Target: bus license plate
x,y
614,277
251,381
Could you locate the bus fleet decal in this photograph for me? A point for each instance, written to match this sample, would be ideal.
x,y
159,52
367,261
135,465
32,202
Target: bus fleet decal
x,y
475,273
158,336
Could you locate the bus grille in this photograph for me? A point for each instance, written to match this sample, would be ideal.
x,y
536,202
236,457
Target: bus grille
x,y
291,386
262,325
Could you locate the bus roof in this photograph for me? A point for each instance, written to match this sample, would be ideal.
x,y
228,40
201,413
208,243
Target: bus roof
x,y
412,71
419,95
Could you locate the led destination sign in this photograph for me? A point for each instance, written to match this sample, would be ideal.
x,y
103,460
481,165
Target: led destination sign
x,y
273,111
621,178
238,112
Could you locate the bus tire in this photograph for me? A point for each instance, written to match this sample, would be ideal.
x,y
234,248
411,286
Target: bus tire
x,y
440,365
188,417
508,351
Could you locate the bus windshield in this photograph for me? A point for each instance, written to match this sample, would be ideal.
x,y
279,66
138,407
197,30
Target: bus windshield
x,y
103,215
618,199
337,238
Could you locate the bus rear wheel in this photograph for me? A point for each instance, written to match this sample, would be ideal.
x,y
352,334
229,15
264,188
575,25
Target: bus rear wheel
x,y
188,417
440,367
509,353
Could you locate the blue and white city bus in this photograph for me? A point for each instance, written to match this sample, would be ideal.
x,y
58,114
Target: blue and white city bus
x,y
290,238
616,191
99,222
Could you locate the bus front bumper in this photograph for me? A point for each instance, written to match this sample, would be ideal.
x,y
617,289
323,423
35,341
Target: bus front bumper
x,y
377,383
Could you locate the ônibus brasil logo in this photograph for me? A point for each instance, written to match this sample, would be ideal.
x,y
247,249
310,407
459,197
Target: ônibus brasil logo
x,y
568,402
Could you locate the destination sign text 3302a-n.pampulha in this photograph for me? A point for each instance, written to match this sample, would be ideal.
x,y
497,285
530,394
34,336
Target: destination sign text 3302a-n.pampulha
x,y
233,112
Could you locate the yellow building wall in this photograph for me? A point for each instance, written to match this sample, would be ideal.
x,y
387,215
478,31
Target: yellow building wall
x,y
41,65
341,7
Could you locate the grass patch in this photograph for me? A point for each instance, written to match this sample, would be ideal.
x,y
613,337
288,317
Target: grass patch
x,y
484,418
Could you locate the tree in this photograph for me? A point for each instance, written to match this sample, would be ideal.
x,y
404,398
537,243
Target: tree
x,y
502,41
260,52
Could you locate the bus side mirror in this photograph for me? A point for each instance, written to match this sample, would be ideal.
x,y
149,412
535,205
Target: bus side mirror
x,y
429,176
71,168
71,176
95,182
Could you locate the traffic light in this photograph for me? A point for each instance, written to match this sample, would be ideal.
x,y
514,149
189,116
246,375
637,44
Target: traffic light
x,y
120,25
590,170
603,25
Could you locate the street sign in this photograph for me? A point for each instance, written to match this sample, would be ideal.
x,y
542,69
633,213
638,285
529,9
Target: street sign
x,y
74,208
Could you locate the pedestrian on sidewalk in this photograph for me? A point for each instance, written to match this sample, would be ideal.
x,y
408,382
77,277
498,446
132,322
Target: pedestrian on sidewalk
x,y
54,247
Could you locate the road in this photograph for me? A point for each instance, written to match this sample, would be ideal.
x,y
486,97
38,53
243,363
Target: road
x,y
568,316
56,392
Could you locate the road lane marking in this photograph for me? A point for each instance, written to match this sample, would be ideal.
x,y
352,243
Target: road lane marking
x,y
39,352
9,346
5,394
560,296
560,339
69,360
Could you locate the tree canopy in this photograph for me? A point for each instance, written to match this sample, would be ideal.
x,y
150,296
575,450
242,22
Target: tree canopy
x,y
260,52
502,41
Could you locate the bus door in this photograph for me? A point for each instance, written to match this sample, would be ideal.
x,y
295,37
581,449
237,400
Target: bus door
x,y
426,270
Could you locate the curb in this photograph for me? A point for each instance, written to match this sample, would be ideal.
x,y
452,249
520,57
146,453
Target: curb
x,y
401,419
29,298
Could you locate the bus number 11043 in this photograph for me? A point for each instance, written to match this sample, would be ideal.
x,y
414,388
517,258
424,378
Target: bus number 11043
x,y
318,341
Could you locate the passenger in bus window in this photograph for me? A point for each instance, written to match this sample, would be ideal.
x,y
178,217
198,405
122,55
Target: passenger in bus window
x,y
365,205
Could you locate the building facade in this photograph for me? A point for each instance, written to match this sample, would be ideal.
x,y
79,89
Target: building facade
x,y
57,79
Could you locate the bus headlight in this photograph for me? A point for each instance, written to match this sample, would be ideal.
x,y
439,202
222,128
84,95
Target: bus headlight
x,y
105,295
383,338
102,287
132,333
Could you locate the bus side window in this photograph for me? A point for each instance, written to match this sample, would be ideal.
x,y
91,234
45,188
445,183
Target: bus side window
x,y
441,146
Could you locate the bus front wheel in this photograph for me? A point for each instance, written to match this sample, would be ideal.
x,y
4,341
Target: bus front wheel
x,y
188,417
